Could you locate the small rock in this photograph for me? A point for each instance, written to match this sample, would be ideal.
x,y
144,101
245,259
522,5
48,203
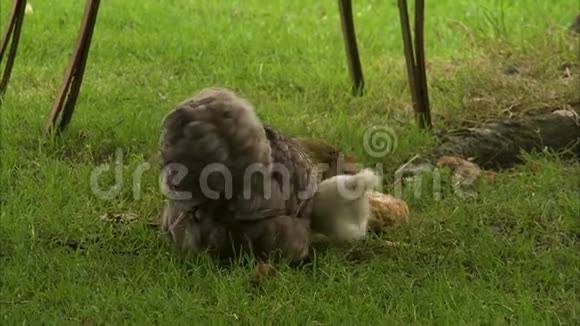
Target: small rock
x,y
510,70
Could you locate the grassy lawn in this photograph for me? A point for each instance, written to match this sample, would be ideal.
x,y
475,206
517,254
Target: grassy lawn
x,y
511,255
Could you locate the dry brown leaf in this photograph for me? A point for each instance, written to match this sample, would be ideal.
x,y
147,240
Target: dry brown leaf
x,y
534,168
391,243
464,171
490,176
459,165
262,272
124,218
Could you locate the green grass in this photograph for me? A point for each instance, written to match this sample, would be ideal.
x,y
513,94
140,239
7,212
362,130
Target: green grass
x,y
508,256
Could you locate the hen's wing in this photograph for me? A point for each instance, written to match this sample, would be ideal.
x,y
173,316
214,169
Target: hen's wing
x,y
291,157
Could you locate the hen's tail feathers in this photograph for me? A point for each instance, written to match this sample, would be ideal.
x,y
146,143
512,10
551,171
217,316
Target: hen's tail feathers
x,y
208,142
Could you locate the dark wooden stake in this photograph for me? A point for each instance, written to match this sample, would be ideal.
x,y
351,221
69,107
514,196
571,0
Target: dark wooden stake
x,y
421,77
353,58
12,32
415,61
70,88
408,48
